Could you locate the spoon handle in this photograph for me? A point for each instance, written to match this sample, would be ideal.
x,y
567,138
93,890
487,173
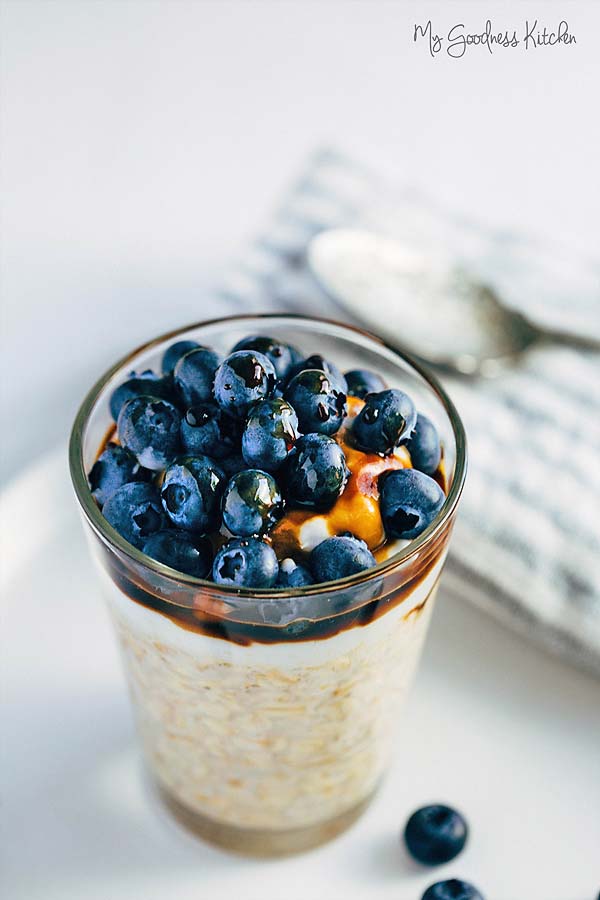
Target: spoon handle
x,y
567,339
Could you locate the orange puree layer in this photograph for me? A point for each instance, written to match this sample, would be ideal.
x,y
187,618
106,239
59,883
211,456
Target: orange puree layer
x,y
357,510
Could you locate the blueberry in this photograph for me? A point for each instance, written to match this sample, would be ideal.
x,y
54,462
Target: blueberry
x,y
338,557
316,361
182,551
424,446
232,464
246,563
194,375
191,493
362,382
149,427
147,384
135,511
320,407
243,378
173,354
453,889
252,503
270,433
114,467
205,429
409,501
283,356
384,420
316,472
435,834
293,574
279,389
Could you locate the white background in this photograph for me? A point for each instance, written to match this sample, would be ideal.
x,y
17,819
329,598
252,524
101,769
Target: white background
x,y
143,142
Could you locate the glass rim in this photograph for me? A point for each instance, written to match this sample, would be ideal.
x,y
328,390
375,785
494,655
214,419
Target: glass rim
x,y
112,537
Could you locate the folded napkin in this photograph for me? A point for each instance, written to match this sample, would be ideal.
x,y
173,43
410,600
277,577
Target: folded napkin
x,y
526,546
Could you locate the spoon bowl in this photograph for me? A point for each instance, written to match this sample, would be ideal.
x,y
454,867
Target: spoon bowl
x,y
429,305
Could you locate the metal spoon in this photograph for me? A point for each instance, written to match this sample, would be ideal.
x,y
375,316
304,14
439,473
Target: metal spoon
x,y
431,306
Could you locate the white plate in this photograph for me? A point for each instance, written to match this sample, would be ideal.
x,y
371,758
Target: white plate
x,y
507,734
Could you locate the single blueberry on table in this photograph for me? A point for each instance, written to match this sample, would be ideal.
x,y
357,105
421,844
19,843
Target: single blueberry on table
x,y
249,562
315,472
114,467
386,418
320,407
283,356
206,430
316,361
338,557
149,427
182,551
435,834
135,511
194,375
252,503
293,574
424,446
362,382
409,501
453,889
147,384
191,493
243,378
173,354
270,433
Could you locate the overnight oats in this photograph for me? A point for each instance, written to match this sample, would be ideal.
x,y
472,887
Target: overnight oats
x,y
269,534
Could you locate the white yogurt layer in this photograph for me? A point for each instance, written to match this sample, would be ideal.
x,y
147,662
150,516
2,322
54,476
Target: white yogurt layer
x,y
270,736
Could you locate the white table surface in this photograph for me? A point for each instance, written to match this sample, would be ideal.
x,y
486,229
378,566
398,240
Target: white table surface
x,y
143,143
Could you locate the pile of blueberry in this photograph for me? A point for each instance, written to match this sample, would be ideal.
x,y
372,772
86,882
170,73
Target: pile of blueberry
x,y
213,451
435,835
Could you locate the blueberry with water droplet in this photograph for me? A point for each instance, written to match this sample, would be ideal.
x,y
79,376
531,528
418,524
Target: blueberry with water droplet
x,y
252,503
191,493
316,361
283,356
315,473
320,407
242,379
205,429
384,421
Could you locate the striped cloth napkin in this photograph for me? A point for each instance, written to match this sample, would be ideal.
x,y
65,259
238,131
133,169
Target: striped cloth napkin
x,y
526,545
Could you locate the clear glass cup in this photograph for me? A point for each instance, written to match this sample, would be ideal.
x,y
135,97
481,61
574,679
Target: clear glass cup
x,y
267,717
